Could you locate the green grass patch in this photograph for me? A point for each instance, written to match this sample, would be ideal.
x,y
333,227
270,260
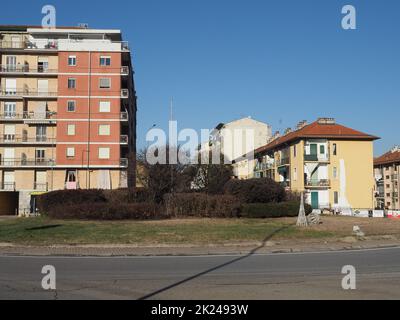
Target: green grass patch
x,y
44,231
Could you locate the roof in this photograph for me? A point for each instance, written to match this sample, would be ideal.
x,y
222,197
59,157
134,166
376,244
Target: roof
x,y
318,130
387,158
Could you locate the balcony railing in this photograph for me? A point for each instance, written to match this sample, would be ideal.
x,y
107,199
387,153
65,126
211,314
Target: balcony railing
x,y
283,161
395,194
44,44
39,186
28,116
26,92
124,93
317,183
124,116
7,186
17,162
25,69
316,158
124,139
125,70
263,166
123,162
12,139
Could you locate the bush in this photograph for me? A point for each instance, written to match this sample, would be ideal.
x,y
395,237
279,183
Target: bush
x,y
273,210
262,190
201,205
107,211
69,197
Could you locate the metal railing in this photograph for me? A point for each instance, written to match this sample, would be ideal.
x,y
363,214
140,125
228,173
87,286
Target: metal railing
x,y
48,115
26,92
14,162
124,139
263,166
25,69
123,162
124,93
45,44
283,161
315,157
40,186
12,138
124,115
125,70
317,183
7,186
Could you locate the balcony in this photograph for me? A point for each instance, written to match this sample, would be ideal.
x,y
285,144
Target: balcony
x,y
123,139
26,93
262,166
18,162
40,186
29,116
283,162
123,162
395,194
316,158
7,186
25,69
124,116
125,71
42,44
317,183
124,93
17,139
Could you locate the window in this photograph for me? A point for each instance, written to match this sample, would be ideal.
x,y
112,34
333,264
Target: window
x,y
105,83
321,149
104,153
336,197
104,130
71,106
334,149
294,151
72,60
295,174
40,155
105,106
71,83
105,61
71,129
70,152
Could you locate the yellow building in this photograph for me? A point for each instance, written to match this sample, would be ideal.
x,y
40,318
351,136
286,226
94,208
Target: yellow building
x,y
330,163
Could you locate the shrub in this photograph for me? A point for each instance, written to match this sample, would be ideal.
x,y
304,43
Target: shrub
x,y
262,190
66,197
201,205
273,210
107,211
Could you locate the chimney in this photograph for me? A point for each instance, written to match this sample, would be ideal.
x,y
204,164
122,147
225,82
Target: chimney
x,y
301,124
326,121
395,149
288,130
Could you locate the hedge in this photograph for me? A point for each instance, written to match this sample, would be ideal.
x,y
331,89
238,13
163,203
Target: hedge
x,y
262,190
107,211
201,205
273,210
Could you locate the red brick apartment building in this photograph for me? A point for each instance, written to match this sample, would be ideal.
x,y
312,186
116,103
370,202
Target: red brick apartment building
x,y
67,112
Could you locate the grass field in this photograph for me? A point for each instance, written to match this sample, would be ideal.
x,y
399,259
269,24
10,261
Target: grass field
x,y
43,231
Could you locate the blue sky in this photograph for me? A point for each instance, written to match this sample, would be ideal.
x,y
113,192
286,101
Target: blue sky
x,y
277,61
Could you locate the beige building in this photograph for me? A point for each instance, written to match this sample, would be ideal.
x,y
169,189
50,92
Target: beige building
x,y
67,112
387,178
331,163
235,139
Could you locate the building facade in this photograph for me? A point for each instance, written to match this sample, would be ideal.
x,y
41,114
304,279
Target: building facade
x,y
330,163
387,179
67,112
235,139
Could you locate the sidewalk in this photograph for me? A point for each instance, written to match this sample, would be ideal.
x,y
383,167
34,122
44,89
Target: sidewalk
x,y
284,246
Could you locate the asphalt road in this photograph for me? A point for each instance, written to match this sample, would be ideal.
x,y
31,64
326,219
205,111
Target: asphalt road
x,y
264,276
